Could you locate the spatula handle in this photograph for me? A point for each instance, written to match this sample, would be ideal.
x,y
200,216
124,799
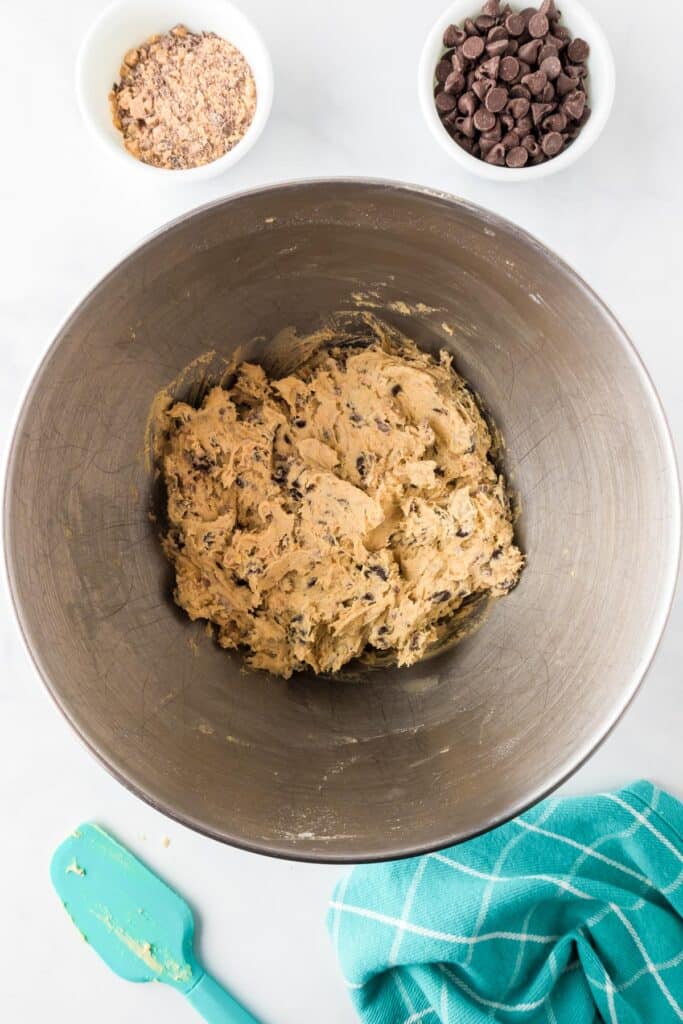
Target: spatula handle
x,y
216,1005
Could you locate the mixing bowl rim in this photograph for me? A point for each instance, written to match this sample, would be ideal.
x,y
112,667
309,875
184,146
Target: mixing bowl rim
x,y
279,849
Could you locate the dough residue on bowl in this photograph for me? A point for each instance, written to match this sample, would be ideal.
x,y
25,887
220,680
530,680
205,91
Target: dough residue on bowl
x,y
352,504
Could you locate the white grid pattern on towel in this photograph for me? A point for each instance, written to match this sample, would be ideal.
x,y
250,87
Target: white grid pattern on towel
x,y
403,924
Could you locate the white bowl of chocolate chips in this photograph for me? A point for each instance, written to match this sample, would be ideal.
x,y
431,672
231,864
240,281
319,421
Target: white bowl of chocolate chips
x,y
515,94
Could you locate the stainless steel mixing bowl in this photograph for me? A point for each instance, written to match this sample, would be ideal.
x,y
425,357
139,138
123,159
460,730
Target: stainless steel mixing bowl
x,y
381,763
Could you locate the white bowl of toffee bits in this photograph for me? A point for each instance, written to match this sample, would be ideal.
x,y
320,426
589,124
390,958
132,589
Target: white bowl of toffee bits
x,y
515,93
179,89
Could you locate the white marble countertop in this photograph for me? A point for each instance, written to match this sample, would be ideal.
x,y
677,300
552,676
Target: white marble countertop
x,y
345,104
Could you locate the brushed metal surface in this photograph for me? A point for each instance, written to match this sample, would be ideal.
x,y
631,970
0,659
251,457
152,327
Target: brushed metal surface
x,y
391,762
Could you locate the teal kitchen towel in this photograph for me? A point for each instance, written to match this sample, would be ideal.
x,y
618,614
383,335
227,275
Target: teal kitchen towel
x,y
571,913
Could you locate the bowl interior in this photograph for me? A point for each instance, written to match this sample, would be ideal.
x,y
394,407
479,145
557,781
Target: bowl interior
x,y
374,764
128,23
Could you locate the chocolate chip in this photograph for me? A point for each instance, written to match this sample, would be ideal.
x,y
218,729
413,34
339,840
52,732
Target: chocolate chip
x,y
578,50
490,68
473,47
498,48
299,423
518,91
564,84
549,9
531,145
529,51
548,94
470,28
538,25
513,47
535,82
517,156
491,7
518,107
466,126
509,69
441,595
552,143
511,139
443,70
496,99
467,104
515,24
458,63
496,155
494,134
361,465
484,120
496,33
546,51
445,102
556,122
455,83
573,104
552,67
481,87
454,36
524,125
484,22
396,389
507,121
539,110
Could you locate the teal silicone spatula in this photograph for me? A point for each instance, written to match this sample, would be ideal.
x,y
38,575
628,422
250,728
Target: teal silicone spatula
x,y
139,926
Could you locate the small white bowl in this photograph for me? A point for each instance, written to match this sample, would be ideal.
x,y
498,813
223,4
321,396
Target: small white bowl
x,y
126,24
599,85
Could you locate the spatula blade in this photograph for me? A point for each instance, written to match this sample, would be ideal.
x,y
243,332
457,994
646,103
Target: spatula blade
x,y
140,927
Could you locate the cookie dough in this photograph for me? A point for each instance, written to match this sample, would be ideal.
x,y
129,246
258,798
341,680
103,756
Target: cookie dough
x,y
353,503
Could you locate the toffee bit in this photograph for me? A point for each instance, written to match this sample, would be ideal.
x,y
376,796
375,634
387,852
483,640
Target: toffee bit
x,y
183,99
